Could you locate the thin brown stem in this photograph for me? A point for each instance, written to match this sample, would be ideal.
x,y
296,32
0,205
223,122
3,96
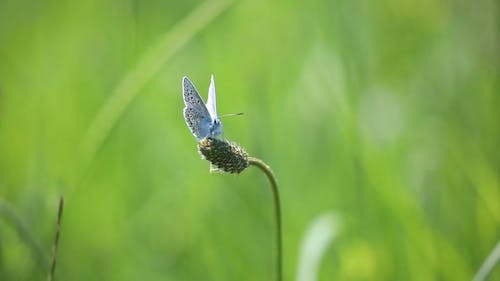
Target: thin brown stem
x,y
53,259
277,212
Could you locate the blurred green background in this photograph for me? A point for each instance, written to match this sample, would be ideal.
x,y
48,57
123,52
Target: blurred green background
x,y
382,113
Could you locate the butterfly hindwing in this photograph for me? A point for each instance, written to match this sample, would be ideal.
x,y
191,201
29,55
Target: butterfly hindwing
x,y
197,122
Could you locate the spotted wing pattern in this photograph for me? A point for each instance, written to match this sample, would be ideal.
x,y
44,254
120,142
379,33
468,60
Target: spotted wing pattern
x,y
196,114
192,97
197,122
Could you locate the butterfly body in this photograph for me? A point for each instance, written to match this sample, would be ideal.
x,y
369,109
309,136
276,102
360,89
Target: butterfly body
x,y
201,119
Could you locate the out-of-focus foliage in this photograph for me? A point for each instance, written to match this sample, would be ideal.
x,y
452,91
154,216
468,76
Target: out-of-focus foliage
x,y
385,113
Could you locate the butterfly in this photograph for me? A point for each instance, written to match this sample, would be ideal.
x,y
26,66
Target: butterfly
x,y
201,119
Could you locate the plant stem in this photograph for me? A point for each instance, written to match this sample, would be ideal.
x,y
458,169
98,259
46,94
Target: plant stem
x,y
53,259
277,212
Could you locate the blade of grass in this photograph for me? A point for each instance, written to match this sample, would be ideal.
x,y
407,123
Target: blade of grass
x,y
148,65
318,237
23,232
488,264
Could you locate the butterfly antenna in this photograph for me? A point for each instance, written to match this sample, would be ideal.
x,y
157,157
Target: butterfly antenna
x,y
232,114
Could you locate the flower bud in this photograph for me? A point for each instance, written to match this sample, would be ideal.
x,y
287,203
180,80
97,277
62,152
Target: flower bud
x,y
224,155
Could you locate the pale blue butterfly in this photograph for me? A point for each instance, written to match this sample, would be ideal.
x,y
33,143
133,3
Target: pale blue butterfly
x,y
201,119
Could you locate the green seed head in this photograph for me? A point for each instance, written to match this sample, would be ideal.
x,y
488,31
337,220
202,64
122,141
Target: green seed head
x,y
224,156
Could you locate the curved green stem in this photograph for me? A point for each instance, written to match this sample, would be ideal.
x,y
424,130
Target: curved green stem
x,y
277,212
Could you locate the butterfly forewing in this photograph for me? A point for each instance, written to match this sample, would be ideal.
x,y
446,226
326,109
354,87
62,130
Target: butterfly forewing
x,y
192,97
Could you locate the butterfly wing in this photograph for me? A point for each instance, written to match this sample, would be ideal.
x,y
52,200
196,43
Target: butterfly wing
x,y
191,97
197,117
197,122
216,128
211,100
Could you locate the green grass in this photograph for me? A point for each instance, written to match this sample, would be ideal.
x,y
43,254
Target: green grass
x,y
382,113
